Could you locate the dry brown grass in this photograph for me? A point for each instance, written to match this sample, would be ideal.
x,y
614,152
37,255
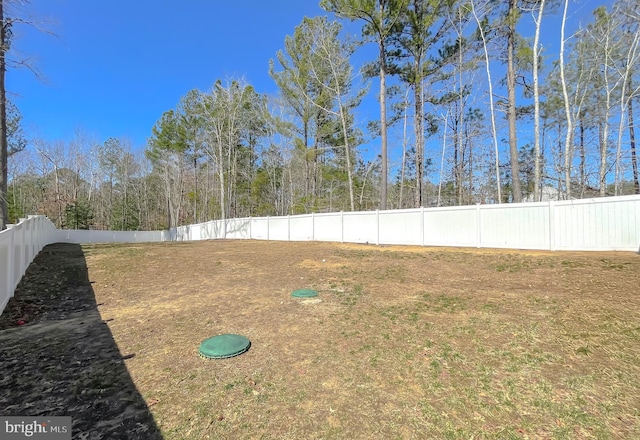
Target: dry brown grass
x,y
405,342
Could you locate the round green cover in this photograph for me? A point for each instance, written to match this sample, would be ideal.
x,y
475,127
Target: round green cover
x,y
304,293
224,346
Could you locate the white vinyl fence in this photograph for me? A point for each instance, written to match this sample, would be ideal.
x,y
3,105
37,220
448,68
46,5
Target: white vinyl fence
x,y
603,224
92,236
19,245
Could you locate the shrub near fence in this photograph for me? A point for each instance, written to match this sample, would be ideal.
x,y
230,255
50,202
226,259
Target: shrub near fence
x,y
19,245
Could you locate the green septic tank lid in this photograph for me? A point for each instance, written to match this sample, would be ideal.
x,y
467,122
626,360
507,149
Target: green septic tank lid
x,y
304,293
224,346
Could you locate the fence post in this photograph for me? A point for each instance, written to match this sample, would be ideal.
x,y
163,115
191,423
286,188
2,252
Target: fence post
x,y
479,226
552,232
23,247
267,228
341,227
29,241
288,227
377,227
422,234
313,227
37,235
11,258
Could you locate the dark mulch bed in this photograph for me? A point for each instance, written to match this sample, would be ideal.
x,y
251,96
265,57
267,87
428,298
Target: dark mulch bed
x,y
59,358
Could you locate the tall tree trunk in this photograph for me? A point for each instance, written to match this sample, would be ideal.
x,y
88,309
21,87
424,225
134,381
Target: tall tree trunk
x,y
536,106
602,172
632,144
419,132
470,196
223,211
207,214
568,141
383,124
167,186
604,137
347,152
516,189
404,150
625,97
618,160
492,107
457,157
459,127
583,160
125,202
195,177
315,181
309,157
58,198
308,190
180,192
4,154
444,149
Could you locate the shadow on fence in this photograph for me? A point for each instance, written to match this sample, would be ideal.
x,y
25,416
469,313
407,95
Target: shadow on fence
x,y
58,358
214,229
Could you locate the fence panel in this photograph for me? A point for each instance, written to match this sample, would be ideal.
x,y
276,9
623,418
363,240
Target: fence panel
x,y
611,223
28,243
18,248
360,227
196,231
260,228
402,226
301,227
455,226
516,226
279,228
327,227
6,267
93,236
214,229
19,245
239,228
148,236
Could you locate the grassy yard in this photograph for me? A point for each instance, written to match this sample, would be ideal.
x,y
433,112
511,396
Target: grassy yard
x,y
401,343
404,342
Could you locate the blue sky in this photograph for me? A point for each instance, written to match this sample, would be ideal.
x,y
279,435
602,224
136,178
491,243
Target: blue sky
x,y
115,66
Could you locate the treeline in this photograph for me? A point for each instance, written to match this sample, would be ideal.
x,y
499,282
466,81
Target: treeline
x,y
470,111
